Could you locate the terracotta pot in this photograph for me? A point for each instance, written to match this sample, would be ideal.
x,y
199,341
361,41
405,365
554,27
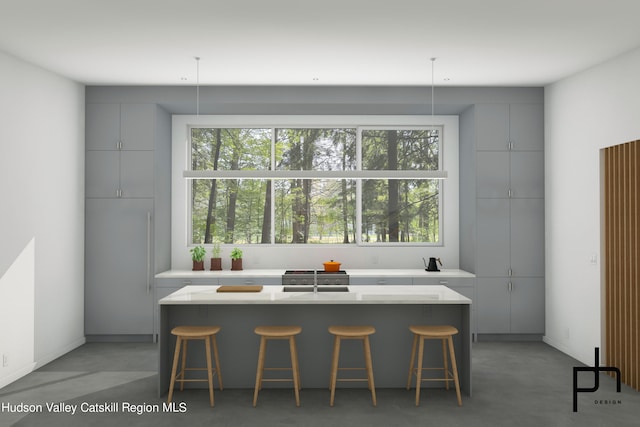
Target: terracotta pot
x,y
236,264
332,266
198,265
216,263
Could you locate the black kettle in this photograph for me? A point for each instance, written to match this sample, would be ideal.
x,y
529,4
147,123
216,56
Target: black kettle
x,y
433,266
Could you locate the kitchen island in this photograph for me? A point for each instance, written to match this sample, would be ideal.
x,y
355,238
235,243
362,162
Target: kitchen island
x,y
390,309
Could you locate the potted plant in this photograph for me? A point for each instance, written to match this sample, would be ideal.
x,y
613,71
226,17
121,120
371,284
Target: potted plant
x,y
236,259
216,261
197,256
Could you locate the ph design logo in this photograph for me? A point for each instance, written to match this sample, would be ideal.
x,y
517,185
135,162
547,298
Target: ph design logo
x,y
596,370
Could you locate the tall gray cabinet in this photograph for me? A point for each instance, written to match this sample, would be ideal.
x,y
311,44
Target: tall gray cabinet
x,y
127,216
509,218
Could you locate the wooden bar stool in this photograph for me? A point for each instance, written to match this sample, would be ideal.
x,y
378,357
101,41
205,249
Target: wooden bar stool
x,y
185,334
352,333
278,333
444,333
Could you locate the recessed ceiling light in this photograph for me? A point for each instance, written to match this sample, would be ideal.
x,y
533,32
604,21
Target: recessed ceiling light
x,y
184,79
315,79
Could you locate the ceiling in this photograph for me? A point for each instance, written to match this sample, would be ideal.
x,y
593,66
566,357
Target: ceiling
x,y
321,42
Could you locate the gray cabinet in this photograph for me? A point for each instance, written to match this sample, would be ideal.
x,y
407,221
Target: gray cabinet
x,y
127,223
509,260
120,150
117,126
516,305
380,281
119,276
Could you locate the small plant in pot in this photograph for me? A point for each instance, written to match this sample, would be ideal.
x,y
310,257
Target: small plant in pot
x,y
197,256
236,259
216,261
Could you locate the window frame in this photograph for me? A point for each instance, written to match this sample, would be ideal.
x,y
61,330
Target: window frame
x,y
181,225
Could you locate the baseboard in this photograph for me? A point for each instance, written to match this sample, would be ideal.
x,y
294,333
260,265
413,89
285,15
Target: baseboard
x,y
120,338
509,337
59,352
16,375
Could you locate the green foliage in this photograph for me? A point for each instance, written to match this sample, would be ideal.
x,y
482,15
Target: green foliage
x,y
236,253
314,211
198,253
216,250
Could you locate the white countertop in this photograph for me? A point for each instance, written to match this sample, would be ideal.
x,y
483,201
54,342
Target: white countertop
x,y
257,273
377,294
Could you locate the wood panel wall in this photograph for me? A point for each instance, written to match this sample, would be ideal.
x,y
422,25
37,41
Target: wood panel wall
x,y
622,253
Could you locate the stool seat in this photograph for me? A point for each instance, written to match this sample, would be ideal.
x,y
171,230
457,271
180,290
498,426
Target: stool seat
x,y
433,331
350,332
184,334
195,331
277,331
444,333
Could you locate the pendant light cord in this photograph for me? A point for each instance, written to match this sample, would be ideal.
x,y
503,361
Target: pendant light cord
x,y
197,86
433,61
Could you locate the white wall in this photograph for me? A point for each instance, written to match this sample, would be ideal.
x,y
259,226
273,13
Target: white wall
x,y
594,109
42,190
312,256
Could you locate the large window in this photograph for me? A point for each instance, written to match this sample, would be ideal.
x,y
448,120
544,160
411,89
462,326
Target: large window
x,y
315,185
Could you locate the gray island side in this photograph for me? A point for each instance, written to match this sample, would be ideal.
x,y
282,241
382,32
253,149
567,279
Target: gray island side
x,y
390,309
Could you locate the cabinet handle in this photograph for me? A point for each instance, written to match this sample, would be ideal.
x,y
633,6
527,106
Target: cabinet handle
x,y
510,286
148,252
510,272
444,282
510,145
119,145
510,193
382,282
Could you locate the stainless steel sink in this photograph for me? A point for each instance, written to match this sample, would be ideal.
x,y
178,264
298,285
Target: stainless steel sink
x,y
321,288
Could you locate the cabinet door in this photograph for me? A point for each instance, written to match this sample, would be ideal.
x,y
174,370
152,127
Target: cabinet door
x,y
136,173
493,305
492,168
526,126
527,306
102,123
492,127
101,174
527,174
527,237
137,126
117,271
493,252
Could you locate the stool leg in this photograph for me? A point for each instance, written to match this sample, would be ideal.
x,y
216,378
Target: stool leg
x,y
176,355
454,366
295,350
413,359
217,359
263,344
334,368
369,366
184,361
207,346
419,370
294,369
445,364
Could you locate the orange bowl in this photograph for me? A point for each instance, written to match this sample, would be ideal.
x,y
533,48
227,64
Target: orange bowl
x,y
331,266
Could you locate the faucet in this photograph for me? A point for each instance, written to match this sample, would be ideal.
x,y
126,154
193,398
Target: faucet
x,y
315,281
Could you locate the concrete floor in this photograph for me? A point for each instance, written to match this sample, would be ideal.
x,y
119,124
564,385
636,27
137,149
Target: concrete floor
x,y
522,384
